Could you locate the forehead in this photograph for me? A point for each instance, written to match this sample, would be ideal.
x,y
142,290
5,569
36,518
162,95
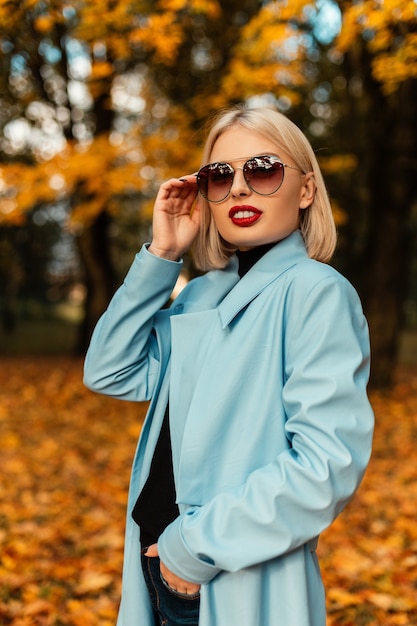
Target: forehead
x,y
236,143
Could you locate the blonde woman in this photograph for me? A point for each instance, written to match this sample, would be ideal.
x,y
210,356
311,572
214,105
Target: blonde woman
x,y
259,428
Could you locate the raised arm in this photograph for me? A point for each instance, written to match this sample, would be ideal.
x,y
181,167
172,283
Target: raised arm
x,y
123,357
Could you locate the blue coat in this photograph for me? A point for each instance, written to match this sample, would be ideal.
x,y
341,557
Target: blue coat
x,y
270,424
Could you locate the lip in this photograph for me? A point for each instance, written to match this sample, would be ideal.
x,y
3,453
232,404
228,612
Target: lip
x,y
244,215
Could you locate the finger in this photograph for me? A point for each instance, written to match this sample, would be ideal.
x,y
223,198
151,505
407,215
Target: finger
x,y
174,581
189,178
188,193
152,550
189,183
170,188
176,187
178,183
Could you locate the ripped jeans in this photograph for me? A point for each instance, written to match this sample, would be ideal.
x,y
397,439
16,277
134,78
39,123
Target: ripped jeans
x,y
170,607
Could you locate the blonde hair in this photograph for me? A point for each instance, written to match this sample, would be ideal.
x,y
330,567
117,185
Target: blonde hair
x,y
210,250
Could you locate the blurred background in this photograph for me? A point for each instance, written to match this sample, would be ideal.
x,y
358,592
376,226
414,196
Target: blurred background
x,y
100,101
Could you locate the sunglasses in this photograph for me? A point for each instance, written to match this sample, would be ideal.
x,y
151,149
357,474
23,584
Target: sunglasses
x,y
263,175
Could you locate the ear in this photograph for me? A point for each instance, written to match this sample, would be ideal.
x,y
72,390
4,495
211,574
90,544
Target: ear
x,y
308,190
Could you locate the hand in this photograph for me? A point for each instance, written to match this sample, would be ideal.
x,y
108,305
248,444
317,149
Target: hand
x,y
175,582
175,220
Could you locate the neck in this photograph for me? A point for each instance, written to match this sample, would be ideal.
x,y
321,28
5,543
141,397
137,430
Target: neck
x,y
248,258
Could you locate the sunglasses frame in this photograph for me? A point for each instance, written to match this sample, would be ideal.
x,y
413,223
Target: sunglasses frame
x,y
275,159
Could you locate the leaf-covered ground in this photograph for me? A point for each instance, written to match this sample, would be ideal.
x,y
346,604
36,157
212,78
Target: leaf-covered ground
x,y
65,464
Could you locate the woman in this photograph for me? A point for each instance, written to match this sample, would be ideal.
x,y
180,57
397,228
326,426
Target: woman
x,y
259,428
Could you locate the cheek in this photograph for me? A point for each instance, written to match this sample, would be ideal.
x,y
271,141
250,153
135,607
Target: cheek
x,y
218,216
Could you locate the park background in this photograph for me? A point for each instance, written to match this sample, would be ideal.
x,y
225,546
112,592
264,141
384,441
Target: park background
x,y
100,102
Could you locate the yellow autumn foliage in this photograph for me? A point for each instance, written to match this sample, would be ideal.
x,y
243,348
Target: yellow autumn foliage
x,y
391,69
269,57
8,18
110,23
101,69
211,8
64,504
338,163
43,23
390,34
162,35
98,175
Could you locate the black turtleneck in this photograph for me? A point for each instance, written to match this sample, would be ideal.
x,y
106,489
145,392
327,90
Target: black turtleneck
x,y
155,507
248,258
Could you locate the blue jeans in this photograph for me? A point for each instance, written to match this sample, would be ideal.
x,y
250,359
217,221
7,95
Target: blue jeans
x,y
170,607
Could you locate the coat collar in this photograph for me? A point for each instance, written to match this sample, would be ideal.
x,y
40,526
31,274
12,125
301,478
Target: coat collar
x,y
275,262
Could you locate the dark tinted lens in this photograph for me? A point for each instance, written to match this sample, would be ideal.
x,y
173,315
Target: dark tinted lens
x,y
264,174
215,181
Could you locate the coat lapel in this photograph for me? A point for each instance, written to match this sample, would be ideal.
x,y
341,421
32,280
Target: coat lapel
x,y
275,262
201,327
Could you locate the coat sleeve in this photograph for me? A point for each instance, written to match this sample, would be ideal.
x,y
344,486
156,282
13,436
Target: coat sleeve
x,y
123,356
329,425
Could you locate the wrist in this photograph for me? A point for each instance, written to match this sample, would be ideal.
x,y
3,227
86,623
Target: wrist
x,y
169,255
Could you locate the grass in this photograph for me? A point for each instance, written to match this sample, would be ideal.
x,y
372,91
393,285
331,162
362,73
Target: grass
x,y
46,336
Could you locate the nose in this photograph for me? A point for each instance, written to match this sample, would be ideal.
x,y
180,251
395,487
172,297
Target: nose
x,y
239,185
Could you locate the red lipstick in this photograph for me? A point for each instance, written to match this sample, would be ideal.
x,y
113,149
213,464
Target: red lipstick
x,y
244,215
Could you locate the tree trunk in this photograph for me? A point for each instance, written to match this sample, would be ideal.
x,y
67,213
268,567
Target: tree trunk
x,y
100,279
94,248
384,271
383,136
393,189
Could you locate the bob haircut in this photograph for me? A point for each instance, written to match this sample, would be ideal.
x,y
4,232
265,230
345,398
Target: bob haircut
x,y
317,226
